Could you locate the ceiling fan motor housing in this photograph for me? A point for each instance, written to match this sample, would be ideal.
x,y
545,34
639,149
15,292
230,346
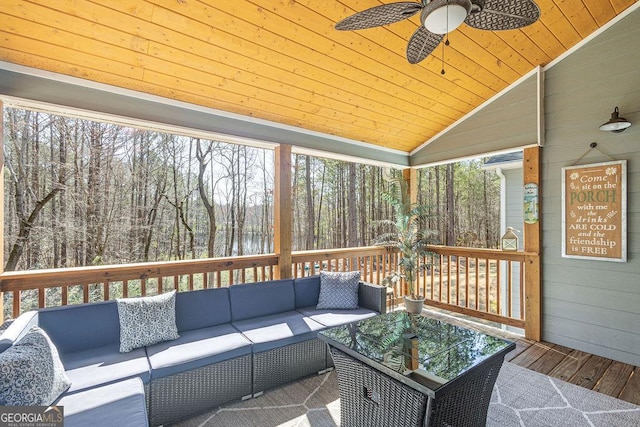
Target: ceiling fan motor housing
x,y
444,16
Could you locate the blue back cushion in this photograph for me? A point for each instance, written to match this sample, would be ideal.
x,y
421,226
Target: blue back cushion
x,y
80,327
307,291
261,299
202,309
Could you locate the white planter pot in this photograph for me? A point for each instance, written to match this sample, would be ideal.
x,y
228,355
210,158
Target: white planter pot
x,y
413,306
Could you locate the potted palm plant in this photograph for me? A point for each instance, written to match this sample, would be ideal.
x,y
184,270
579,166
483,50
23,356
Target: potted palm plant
x,y
404,234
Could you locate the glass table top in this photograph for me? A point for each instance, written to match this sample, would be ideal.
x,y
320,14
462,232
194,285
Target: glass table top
x,y
427,351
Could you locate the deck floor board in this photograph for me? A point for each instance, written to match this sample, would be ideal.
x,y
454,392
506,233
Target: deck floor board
x,y
590,373
571,364
550,359
531,354
631,391
597,373
614,379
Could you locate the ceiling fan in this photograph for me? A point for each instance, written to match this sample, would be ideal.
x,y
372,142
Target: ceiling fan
x,y
439,17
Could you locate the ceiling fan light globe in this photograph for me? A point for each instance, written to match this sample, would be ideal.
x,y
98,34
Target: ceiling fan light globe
x,y
444,16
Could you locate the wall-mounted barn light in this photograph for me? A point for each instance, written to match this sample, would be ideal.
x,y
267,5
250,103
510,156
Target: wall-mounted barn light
x,y
616,123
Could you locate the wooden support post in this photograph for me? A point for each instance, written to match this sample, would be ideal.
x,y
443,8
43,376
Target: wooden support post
x,y
283,212
1,211
411,176
532,273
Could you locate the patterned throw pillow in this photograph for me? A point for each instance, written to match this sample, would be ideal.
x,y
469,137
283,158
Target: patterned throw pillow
x,y
338,290
147,320
31,373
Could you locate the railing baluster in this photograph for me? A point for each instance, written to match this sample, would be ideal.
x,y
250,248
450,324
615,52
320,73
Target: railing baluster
x,y
509,290
16,304
428,277
41,299
487,290
522,314
365,270
477,283
85,292
457,280
498,290
106,290
466,282
448,279
372,261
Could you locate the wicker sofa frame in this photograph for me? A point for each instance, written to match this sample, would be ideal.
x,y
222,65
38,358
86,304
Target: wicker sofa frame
x,y
186,393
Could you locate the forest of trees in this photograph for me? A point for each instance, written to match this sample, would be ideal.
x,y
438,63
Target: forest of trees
x,y
80,192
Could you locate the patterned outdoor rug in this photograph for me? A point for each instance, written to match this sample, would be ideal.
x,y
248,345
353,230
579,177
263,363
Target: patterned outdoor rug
x,y
520,398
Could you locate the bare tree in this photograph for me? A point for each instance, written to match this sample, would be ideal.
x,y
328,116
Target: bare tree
x,y
311,228
352,220
204,156
28,202
450,241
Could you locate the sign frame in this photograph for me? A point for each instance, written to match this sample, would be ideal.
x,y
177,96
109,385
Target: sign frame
x,y
592,211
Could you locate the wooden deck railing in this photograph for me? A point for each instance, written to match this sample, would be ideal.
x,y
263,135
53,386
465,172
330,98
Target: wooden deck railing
x,y
373,262
483,283
99,283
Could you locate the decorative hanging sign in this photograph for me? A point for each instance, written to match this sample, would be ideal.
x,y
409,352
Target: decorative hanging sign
x,y
531,205
594,211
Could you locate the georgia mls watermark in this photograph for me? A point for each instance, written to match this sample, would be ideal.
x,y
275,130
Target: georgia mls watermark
x,y
31,416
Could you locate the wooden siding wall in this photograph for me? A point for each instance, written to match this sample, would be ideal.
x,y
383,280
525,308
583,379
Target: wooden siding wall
x,y
514,218
593,306
514,201
509,121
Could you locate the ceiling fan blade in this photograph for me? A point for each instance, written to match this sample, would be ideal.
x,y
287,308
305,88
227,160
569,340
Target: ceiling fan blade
x,y
379,15
421,44
504,15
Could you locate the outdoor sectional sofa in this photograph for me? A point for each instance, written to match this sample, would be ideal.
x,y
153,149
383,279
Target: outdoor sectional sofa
x,y
234,343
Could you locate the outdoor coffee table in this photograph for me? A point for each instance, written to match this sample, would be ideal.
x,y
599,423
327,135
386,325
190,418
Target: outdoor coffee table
x,y
399,369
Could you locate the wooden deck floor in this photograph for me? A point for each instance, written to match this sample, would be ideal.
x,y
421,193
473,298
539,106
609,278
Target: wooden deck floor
x,y
576,367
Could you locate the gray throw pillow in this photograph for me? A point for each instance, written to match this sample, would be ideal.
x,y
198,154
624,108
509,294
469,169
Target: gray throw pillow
x,y
338,290
147,320
31,373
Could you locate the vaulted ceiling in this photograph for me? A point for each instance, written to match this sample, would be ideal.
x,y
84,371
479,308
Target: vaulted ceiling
x,y
283,61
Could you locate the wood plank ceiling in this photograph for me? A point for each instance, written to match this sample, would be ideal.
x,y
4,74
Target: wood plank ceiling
x,y
283,61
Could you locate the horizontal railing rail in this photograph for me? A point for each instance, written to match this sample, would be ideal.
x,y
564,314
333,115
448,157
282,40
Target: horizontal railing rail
x,y
64,286
483,283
